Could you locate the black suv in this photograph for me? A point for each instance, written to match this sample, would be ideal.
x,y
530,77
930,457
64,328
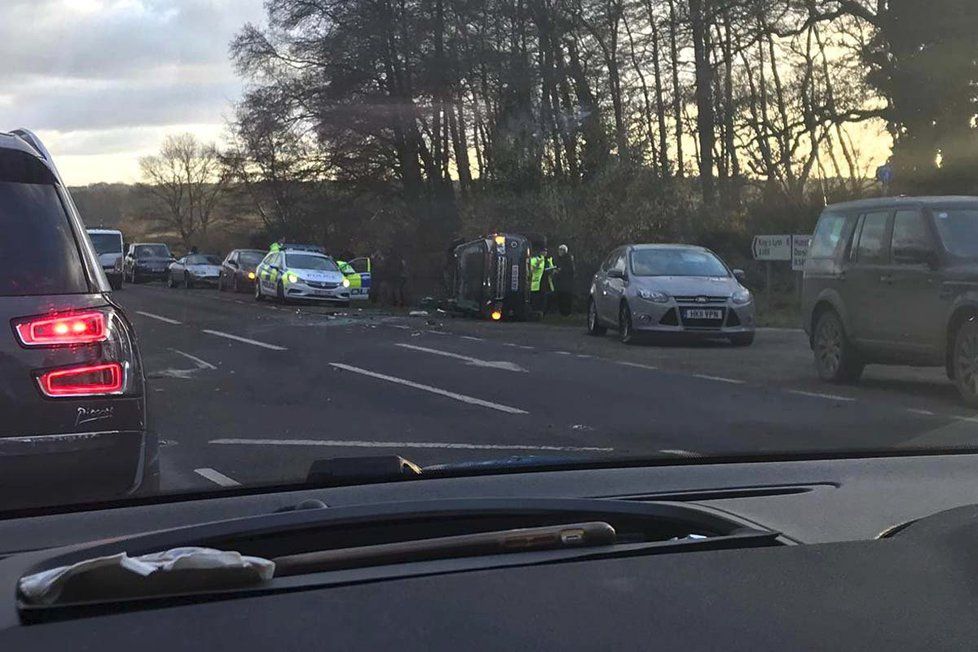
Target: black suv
x,y
895,281
72,397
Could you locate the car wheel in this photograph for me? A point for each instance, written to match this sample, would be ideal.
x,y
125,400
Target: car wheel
x,y
258,295
742,339
965,361
594,326
836,360
626,330
187,281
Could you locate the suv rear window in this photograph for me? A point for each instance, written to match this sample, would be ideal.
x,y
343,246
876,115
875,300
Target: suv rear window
x,y
38,249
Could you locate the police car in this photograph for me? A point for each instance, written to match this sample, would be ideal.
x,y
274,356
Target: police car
x,y
301,274
357,272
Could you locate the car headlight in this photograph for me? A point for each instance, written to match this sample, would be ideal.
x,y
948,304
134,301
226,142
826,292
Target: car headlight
x,y
293,278
741,296
654,296
251,276
346,282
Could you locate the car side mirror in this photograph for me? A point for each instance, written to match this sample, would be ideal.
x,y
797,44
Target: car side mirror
x,y
616,273
740,275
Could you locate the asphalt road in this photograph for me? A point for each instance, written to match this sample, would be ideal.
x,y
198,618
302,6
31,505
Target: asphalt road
x,y
246,392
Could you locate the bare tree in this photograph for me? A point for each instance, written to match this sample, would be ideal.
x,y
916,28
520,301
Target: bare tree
x,y
186,182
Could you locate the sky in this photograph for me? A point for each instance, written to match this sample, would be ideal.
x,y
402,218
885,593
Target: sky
x,y
103,81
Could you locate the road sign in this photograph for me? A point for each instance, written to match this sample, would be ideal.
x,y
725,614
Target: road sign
x,y
799,251
884,174
772,247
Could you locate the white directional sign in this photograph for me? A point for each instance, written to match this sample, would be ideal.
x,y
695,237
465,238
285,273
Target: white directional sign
x,y
772,247
799,251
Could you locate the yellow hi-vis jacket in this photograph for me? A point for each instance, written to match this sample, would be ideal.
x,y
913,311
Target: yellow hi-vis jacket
x,y
538,265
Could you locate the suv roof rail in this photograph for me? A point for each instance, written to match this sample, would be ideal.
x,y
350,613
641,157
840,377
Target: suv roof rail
x,y
35,143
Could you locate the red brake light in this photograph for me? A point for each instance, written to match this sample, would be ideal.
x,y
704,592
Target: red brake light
x,y
77,328
88,380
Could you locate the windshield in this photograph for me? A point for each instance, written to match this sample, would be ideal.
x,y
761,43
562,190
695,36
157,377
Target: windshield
x,y
576,233
203,260
308,261
152,251
107,243
676,262
250,258
958,229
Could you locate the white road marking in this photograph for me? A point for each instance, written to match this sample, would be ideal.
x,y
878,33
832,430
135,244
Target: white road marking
x,y
584,356
217,477
563,353
721,379
403,444
476,362
517,346
237,338
437,332
203,364
926,413
402,327
638,365
428,388
161,318
679,452
474,339
965,419
831,397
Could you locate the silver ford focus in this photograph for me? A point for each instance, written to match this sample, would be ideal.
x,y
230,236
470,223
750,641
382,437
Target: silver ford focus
x,y
670,289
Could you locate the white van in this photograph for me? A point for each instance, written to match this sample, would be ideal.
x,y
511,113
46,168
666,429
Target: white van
x,y
108,245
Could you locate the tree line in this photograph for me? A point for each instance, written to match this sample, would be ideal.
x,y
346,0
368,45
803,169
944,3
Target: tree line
x,y
595,121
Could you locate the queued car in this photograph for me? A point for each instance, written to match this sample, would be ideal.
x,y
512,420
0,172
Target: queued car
x,y
146,261
72,390
109,247
238,271
194,269
301,274
892,281
670,290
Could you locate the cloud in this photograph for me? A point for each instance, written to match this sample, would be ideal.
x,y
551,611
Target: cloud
x,y
106,74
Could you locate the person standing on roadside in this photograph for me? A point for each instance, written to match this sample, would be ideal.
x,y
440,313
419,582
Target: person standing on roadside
x,y
564,280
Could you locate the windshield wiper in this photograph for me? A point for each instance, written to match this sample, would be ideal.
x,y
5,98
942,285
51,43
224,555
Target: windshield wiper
x,y
347,471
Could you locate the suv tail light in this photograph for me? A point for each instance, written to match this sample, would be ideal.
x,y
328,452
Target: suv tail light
x,y
62,330
87,380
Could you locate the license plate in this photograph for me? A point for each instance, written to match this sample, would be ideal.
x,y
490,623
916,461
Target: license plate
x,y
702,313
321,293
516,278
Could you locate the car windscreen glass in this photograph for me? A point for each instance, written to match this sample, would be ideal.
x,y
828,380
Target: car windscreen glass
x,y
200,259
958,229
250,258
827,236
39,252
676,262
107,243
152,251
308,261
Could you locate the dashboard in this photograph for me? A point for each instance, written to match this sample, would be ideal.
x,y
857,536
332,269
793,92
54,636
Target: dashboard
x,y
815,554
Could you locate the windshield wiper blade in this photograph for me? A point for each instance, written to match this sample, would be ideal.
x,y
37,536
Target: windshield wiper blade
x,y
346,471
